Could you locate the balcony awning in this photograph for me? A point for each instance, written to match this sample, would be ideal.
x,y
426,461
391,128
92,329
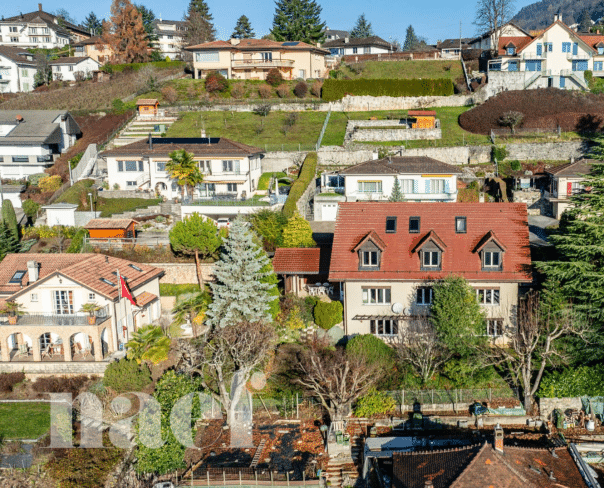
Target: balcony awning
x,y
382,317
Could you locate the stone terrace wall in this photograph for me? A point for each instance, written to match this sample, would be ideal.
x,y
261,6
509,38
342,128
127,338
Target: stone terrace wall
x,y
184,273
548,405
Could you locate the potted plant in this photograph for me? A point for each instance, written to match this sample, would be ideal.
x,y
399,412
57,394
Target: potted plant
x,y
90,308
13,310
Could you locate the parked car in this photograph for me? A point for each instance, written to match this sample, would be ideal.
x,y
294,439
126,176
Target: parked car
x,y
223,222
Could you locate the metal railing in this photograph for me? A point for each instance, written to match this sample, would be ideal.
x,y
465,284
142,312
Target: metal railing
x,y
49,319
320,139
262,63
205,476
409,397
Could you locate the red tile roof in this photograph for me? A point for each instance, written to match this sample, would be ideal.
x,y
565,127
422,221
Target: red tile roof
x,y
297,260
507,221
86,269
472,467
519,42
420,113
257,44
144,298
592,40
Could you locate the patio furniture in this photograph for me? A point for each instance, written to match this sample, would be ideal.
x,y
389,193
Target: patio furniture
x,y
23,350
87,351
46,352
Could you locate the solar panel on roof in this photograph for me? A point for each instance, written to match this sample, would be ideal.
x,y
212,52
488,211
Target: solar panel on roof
x,y
290,43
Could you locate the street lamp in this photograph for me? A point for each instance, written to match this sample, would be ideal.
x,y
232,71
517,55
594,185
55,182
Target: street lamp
x,y
90,195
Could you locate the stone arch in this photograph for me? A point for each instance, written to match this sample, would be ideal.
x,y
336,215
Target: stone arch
x,y
82,346
16,339
51,346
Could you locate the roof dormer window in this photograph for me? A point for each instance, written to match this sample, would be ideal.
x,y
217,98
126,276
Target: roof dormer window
x,y
431,259
370,252
511,51
430,249
491,253
369,259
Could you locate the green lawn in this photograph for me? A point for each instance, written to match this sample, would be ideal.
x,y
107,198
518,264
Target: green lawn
x,y
267,133
24,420
110,206
265,179
173,289
403,69
72,194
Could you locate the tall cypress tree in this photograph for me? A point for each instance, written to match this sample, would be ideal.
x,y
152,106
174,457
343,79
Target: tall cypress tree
x,y
8,242
298,20
361,29
243,29
411,40
9,218
241,291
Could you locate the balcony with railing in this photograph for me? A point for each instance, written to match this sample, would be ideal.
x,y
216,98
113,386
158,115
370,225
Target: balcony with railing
x,y
53,319
534,56
578,56
262,63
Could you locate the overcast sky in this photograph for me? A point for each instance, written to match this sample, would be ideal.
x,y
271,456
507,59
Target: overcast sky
x,y
434,20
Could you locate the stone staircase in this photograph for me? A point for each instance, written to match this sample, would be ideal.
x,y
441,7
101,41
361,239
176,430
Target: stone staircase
x,y
139,129
341,471
171,209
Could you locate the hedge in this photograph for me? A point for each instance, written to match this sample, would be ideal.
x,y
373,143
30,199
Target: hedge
x,y
305,178
573,382
115,68
337,89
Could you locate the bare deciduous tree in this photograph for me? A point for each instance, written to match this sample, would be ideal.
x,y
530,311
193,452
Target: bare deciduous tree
x,y
418,345
492,15
536,343
336,377
225,358
511,119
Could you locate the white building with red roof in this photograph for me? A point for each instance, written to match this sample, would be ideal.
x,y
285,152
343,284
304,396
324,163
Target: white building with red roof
x,y
387,256
53,291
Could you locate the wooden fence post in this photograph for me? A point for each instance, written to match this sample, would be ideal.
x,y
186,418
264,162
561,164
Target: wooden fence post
x,y
223,477
208,476
271,478
287,477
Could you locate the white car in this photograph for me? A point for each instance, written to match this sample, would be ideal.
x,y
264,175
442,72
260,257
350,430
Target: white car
x,y
223,222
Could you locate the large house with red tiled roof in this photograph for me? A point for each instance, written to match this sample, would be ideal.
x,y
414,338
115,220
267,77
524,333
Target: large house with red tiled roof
x,y
231,169
556,57
53,290
252,59
387,256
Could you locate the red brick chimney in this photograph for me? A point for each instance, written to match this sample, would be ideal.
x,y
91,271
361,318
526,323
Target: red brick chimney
x,y
40,7
498,438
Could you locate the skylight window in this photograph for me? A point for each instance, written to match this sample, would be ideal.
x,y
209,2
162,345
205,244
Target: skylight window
x,y
414,225
390,225
106,281
135,267
17,277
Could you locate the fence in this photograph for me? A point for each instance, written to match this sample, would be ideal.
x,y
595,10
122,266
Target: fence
x,y
323,129
119,244
246,477
524,132
409,397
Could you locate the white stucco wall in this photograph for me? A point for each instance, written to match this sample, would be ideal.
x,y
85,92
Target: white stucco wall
x,y
352,187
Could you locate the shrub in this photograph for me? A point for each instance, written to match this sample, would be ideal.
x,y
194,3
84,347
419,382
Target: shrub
x,y
328,314
274,77
50,183
238,90
499,153
34,179
77,242
283,91
306,176
262,110
169,94
264,91
337,89
315,89
301,89
127,375
515,165
374,403
30,208
73,162
9,380
215,82
61,384
573,382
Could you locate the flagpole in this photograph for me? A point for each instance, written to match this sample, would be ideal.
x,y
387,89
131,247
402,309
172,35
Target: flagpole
x,y
119,287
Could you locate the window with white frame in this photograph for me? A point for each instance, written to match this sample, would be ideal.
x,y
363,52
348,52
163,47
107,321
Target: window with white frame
x,y
130,183
495,327
370,186
70,67
376,296
423,295
437,186
14,39
34,297
406,185
355,50
267,56
488,296
130,166
431,259
369,259
91,297
232,187
161,166
63,302
492,259
383,327
460,225
33,30
12,29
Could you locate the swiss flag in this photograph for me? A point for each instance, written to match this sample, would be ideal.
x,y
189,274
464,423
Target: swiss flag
x,y
124,291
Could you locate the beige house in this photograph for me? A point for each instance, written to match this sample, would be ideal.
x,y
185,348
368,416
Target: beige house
x,y
52,289
386,258
566,181
252,59
93,48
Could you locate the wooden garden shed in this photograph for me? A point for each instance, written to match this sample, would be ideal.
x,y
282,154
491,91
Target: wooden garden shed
x,y
147,107
424,119
111,228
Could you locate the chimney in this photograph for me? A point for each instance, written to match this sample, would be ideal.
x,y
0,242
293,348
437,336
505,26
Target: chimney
x,y
19,118
558,16
346,40
106,258
150,142
375,155
32,271
39,7
498,438
428,484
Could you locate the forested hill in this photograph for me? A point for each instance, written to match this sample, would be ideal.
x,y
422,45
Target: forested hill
x,y
541,14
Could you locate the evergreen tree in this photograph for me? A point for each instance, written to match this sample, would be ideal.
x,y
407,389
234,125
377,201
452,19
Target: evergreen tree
x,y
10,218
125,33
240,294
200,26
297,232
148,18
584,21
8,242
243,29
397,194
93,24
361,29
411,40
579,266
298,20
63,16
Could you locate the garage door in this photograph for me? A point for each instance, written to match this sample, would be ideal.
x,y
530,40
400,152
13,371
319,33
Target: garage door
x,y
329,211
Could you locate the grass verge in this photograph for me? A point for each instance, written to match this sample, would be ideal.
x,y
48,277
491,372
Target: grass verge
x,y
24,420
110,206
403,69
173,290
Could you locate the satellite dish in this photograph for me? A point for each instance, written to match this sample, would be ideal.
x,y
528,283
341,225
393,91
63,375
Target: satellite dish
x,y
407,311
397,308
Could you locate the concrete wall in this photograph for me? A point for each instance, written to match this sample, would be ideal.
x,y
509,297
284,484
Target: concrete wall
x,y
183,273
548,405
273,162
126,194
395,134
33,370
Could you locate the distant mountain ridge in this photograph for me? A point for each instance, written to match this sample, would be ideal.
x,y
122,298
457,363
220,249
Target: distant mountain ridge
x,y
541,14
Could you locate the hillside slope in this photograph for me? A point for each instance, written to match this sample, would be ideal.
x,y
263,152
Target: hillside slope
x,y
540,14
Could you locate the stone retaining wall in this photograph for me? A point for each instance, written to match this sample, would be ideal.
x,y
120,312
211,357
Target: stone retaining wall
x,y
184,273
36,369
365,135
548,405
126,194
